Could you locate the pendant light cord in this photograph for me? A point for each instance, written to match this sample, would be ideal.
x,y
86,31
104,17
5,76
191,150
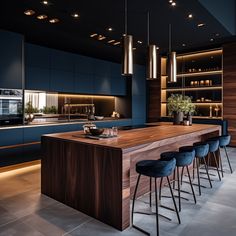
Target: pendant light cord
x,y
148,27
169,38
126,18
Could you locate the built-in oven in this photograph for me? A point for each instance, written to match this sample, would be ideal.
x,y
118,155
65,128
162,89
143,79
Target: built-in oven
x,y
11,110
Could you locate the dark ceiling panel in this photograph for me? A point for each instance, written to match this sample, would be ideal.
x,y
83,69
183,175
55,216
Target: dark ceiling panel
x,y
95,16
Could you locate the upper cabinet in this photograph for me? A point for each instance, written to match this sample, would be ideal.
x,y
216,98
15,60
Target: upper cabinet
x,y
58,71
11,67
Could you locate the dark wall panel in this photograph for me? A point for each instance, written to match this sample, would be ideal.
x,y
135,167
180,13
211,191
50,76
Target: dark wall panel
x,y
11,48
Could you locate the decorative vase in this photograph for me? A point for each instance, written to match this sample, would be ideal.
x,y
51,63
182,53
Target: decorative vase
x,y
178,118
190,119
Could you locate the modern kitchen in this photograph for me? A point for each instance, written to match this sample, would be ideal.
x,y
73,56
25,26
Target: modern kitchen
x,y
117,118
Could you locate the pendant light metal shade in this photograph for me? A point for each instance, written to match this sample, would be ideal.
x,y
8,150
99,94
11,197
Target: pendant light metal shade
x,y
172,67
127,62
152,62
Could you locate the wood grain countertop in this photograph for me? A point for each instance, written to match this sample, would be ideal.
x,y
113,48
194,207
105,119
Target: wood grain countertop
x,y
141,137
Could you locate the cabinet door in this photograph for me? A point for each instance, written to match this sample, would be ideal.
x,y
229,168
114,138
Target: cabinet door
x,y
118,85
37,78
62,81
102,84
10,60
83,83
37,56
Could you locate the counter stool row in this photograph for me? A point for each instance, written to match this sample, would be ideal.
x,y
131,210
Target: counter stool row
x,y
174,162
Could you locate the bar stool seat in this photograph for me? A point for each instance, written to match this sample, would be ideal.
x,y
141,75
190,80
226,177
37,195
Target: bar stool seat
x,y
154,169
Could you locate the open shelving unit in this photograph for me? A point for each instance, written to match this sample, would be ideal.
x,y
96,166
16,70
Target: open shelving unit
x,y
200,76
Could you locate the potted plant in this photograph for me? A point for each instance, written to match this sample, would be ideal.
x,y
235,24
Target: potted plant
x,y
29,111
178,105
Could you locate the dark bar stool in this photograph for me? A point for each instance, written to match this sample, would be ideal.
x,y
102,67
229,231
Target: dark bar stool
x,y
183,159
154,169
224,141
201,151
213,147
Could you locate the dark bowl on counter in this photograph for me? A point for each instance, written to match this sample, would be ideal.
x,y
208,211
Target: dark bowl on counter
x,y
97,131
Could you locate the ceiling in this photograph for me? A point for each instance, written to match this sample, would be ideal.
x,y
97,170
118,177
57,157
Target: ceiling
x,y
73,35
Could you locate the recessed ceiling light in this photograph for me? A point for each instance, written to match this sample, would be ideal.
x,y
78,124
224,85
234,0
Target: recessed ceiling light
x,y
93,35
201,25
29,12
184,45
45,2
75,15
101,37
140,42
157,48
190,16
54,20
42,17
173,4
211,39
116,43
110,29
170,1
111,41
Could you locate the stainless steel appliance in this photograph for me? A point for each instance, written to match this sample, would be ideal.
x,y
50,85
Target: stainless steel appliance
x,y
11,107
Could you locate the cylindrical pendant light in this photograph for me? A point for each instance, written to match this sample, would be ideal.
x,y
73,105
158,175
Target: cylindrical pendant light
x,y
151,55
172,65
127,60
152,62
127,63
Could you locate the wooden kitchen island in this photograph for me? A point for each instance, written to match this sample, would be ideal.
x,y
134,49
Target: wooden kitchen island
x,y
97,177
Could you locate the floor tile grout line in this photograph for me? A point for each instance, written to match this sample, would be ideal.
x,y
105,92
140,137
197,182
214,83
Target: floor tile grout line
x,y
89,220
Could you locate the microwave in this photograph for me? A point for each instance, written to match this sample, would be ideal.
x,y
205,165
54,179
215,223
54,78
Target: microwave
x,y
11,109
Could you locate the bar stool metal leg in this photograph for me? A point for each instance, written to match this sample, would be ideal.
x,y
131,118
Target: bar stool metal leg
x,y
173,198
190,181
217,166
135,192
198,176
221,164
208,176
174,178
157,218
178,180
228,160
160,188
150,194
182,173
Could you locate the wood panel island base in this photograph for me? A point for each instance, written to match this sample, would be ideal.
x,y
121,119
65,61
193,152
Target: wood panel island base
x,y
97,177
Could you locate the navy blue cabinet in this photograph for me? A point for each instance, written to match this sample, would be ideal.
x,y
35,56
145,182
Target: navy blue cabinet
x,y
62,81
83,83
11,137
37,67
37,78
102,84
11,48
37,56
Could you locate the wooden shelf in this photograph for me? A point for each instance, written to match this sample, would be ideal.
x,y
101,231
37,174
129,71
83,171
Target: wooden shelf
x,y
203,103
193,88
201,117
202,73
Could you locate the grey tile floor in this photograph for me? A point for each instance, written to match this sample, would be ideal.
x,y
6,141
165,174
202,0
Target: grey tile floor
x,y
25,212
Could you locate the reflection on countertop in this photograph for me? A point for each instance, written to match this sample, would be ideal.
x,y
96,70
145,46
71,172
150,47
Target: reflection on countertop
x,y
62,122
